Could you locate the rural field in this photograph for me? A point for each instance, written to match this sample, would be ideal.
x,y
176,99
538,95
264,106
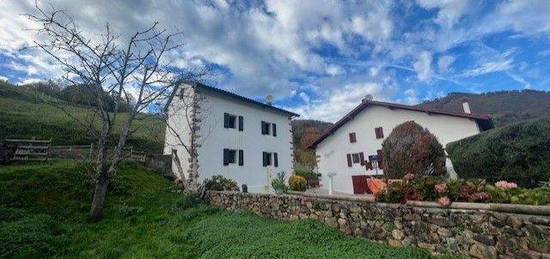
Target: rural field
x,y
43,208
25,114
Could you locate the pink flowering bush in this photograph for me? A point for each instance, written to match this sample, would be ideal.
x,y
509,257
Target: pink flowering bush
x,y
430,188
441,188
506,185
444,201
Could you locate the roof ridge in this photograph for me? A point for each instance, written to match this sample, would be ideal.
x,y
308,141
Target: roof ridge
x,y
365,103
243,98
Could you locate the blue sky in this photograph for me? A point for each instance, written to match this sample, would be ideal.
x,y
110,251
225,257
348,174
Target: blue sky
x,y
320,58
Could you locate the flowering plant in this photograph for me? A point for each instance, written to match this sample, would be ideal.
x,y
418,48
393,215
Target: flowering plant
x,y
506,185
445,201
441,188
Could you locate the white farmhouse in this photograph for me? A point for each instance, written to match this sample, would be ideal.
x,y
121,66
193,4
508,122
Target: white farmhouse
x,y
351,149
237,137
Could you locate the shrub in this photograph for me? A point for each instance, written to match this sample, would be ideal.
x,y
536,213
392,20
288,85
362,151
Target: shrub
x,y
297,183
220,183
303,171
278,183
431,188
412,149
517,153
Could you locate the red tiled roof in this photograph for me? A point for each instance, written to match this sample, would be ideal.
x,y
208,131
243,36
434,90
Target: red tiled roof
x,y
483,120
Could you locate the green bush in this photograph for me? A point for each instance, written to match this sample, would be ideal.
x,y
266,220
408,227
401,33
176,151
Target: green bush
x,y
220,183
412,149
304,171
297,183
278,184
519,153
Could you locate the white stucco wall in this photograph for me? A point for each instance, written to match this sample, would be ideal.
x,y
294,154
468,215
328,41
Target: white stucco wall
x,y
214,138
332,151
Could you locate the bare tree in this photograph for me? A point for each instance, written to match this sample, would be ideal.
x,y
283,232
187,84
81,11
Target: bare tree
x,y
136,68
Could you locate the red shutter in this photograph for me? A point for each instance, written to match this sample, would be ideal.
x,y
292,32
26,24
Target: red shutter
x,y
352,137
349,160
362,158
379,132
380,154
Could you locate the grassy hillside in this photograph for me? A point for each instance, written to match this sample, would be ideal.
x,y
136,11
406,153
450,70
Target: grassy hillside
x,y
23,115
43,208
519,152
505,107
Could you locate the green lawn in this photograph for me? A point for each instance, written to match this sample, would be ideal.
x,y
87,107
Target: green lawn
x,y
43,209
23,115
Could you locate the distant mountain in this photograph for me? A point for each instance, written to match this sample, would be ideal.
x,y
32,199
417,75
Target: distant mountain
x,y
505,107
300,126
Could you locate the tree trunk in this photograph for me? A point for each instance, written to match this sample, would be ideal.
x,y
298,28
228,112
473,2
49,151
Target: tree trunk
x,y
99,199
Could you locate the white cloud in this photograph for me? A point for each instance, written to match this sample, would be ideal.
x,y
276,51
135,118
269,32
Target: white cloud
x,y
449,11
334,70
411,96
444,62
304,97
30,81
489,67
3,78
280,47
423,66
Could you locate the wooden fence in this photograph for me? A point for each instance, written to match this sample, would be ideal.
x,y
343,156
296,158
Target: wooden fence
x,y
27,149
41,150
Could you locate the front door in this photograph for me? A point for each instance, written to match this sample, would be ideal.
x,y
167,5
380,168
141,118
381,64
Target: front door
x,y
360,184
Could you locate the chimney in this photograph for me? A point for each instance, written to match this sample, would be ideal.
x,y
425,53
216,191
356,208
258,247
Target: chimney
x,y
269,99
466,106
367,98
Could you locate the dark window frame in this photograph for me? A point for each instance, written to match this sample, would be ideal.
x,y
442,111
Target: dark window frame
x,y
265,128
267,159
229,156
230,121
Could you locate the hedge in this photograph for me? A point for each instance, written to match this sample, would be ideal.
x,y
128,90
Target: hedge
x,y
519,152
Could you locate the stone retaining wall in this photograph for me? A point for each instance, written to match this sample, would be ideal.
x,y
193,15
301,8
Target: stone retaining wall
x,y
476,233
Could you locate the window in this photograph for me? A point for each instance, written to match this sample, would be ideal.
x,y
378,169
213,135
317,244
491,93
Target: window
x,y
229,121
275,160
229,156
274,129
266,159
233,121
355,158
352,137
265,128
379,132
